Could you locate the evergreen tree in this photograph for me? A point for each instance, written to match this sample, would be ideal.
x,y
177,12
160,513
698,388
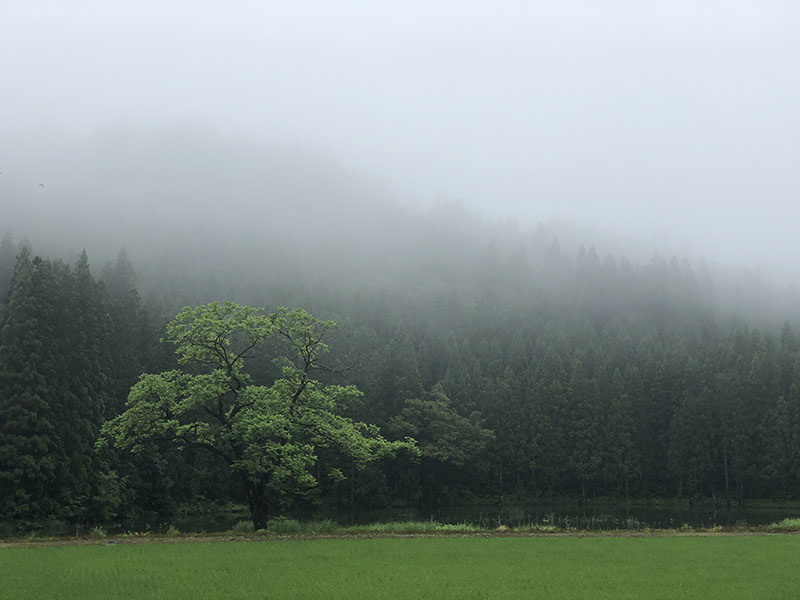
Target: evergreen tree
x,y
690,437
622,462
85,347
7,260
30,448
551,427
586,430
128,331
53,370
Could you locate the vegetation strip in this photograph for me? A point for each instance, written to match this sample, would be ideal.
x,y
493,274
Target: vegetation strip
x,y
289,529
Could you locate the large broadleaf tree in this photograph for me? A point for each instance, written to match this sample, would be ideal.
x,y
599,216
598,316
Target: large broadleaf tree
x,y
271,435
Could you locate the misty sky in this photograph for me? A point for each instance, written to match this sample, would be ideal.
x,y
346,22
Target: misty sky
x,y
672,120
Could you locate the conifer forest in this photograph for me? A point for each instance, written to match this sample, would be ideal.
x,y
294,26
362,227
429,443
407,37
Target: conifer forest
x,y
463,360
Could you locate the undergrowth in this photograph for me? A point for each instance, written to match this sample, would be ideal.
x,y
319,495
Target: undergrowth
x,y
788,523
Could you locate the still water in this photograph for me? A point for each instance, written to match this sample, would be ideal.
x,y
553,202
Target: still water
x,y
669,515
588,516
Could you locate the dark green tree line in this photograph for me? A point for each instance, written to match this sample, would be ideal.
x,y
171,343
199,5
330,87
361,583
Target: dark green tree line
x,y
540,376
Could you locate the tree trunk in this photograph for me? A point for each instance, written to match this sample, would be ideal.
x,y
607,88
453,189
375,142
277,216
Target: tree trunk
x,y
352,491
259,504
725,462
422,492
627,477
501,477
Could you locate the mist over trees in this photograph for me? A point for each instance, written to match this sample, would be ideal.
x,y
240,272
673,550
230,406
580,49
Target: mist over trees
x,y
525,363
220,210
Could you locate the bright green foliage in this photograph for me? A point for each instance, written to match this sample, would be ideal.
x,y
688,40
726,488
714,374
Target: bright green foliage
x,y
788,523
271,435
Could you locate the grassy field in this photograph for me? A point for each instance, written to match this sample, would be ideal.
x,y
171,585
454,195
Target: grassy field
x,y
748,566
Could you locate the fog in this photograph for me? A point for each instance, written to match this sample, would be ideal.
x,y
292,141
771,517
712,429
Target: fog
x,y
666,126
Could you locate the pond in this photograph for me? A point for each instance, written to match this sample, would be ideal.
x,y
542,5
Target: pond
x,y
588,516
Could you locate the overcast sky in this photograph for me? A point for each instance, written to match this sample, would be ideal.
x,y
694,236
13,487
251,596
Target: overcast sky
x,y
670,119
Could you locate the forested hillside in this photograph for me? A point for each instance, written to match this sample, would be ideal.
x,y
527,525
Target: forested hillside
x,y
520,368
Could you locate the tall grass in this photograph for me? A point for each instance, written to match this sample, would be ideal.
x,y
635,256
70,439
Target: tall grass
x,y
282,526
285,526
412,527
788,523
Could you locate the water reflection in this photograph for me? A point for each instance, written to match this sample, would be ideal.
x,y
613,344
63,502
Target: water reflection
x,y
573,515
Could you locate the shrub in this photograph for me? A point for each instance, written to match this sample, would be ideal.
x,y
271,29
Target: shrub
x,y
536,527
283,525
412,527
404,527
788,523
324,526
459,528
55,528
242,527
98,531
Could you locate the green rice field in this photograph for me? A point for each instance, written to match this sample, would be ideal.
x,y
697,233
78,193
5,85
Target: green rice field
x,y
708,567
